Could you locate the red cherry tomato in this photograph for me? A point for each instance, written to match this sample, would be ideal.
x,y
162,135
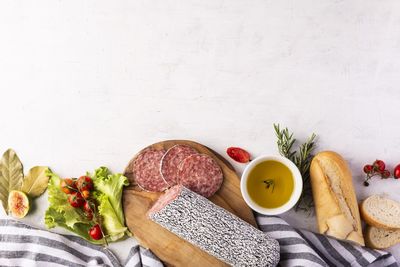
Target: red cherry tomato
x,y
396,172
88,210
87,207
95,232
76,200
368,168
238,154
89,215
385,174
84,183
379,165
85,194
68,186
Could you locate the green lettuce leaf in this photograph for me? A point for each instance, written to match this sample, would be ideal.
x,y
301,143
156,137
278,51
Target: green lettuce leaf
x,y
111,185
107,194
54,218
110,221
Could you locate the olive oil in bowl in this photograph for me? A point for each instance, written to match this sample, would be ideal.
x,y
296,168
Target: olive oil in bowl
x,y
270,184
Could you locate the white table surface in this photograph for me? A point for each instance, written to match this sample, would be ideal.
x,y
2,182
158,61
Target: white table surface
x,y
89,83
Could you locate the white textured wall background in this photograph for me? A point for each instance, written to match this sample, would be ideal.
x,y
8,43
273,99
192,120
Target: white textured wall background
x,y
89,83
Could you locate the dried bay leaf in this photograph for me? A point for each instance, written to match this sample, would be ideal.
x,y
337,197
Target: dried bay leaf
x,y
11,175
35,182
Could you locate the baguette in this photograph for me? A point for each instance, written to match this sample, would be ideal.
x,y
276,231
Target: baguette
x,y
334,197
379,238
381,212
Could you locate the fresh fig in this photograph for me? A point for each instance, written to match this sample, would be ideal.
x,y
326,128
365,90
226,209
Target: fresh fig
x,y
18,204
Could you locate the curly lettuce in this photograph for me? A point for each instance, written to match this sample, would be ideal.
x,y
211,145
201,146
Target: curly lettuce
x,y
107,194
111,186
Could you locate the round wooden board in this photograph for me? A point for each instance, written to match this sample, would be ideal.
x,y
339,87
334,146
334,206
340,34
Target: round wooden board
x,y
171,249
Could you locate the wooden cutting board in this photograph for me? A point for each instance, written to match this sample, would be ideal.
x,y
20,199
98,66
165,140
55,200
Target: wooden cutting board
x,y
171,249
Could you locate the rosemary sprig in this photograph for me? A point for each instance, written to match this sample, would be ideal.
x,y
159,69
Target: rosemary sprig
x,y
269,183
302,159
285,142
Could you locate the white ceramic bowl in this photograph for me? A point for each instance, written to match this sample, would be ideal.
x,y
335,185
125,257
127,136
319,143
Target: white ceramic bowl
x,y
298,185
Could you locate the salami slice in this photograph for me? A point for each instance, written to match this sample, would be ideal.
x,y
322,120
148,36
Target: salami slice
x,y
201,174
146,170
171,161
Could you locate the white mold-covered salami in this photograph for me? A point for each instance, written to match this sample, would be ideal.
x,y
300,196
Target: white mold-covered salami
x,y
146,170
213,229
201,174
171,161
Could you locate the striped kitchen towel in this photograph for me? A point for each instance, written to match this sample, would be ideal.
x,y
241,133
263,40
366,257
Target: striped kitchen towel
x,y
23,245
305,248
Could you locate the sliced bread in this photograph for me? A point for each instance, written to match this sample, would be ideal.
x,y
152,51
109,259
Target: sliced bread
x,y
381,212
381,238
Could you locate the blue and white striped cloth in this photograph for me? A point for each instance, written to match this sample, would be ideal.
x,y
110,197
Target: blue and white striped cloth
x,y
23,245
304,248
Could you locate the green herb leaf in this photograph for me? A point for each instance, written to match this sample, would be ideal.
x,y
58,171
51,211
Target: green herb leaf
x,y
11,176
35,182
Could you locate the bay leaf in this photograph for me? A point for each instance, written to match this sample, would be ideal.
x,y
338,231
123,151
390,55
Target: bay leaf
x,y
35,182
11,175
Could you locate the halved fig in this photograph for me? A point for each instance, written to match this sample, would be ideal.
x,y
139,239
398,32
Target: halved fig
x,y
18,204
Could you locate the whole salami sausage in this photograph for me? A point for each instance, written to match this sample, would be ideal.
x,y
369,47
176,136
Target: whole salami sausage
x,y
213,229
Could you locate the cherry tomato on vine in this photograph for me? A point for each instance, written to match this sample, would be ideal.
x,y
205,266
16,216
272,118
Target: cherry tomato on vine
x,y
76,200
95,232
89,215
368,168
379,165
68,186
88,210
385,174
87,207
85,194
396,172
84,183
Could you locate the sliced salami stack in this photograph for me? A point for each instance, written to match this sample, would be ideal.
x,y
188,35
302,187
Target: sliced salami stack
x,y
213,229
156,170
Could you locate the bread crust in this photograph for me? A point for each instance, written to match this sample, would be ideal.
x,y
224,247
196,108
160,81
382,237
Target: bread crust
x,y
330,203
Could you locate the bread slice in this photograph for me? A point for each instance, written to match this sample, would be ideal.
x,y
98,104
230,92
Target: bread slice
x,y
381,238
381,212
